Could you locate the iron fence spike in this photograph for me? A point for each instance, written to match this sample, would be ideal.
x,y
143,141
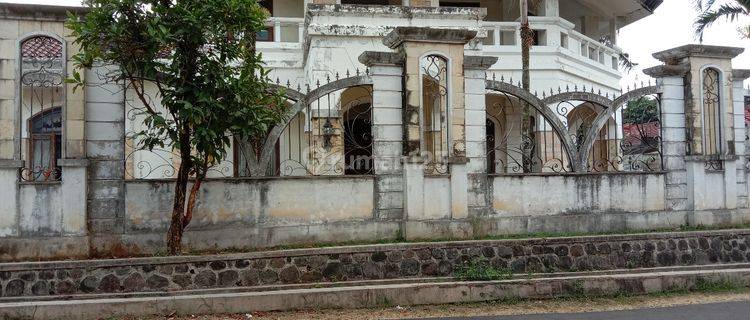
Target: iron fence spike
x,y
288,84
367,71
347,73
337,75
328,78
357,72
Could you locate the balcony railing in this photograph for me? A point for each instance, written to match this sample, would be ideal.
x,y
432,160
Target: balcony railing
x,y
550,32
283,30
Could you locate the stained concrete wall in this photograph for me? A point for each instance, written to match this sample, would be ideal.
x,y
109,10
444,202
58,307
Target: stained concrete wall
x,y
248,212
536,195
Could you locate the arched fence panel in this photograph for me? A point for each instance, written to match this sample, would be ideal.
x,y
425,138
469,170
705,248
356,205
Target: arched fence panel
x,y
572,129
626,136
327,131
523,135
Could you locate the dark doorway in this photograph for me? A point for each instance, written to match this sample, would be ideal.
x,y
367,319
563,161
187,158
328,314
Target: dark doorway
x,y
490,138
358,140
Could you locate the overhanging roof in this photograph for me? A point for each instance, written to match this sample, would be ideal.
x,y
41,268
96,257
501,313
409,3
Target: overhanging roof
x,y
650,5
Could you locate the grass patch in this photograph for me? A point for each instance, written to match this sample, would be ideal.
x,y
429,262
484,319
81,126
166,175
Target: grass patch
x,y
481,270
721,285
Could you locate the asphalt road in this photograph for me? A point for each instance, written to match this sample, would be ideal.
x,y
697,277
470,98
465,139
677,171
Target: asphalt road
x,y
719,311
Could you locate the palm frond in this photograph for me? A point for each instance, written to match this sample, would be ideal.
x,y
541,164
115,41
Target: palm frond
x,y
730,12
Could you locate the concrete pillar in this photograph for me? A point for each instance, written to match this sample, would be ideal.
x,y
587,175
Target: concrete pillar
x,y
386,71
105,149
671,84
479,199
710,179
73,196
9,206
738,115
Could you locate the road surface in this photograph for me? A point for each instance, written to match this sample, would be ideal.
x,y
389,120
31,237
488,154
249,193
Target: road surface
x,y
739,310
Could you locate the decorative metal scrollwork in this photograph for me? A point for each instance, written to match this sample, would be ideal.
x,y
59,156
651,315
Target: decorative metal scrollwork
x,y
330,133
435,106
42,100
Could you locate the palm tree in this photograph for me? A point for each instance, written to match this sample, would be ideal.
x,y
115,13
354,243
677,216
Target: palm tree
x,y
711,11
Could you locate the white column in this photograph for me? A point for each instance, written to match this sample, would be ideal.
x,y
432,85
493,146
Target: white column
x,y
739,129
387,133
673,143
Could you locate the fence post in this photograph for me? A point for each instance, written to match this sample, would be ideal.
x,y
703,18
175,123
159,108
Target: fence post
x,y
740,136
105,150
671,85
475,84
386,71
713,132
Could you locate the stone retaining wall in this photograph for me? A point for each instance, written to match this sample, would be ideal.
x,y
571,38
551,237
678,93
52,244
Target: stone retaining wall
x,y
372,262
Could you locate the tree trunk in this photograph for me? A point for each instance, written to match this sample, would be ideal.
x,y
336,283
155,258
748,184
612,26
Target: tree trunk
x,y
176,227
527,39
174,238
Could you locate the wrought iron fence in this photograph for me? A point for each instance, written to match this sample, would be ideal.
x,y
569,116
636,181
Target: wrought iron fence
x,y
42,99
572,129
520,139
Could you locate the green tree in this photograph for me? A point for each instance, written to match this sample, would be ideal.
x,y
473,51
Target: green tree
x,y
641,110
210,82
710,12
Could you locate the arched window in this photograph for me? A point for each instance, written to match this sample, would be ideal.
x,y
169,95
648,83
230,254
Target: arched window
x,y
42,97
711,108
435,107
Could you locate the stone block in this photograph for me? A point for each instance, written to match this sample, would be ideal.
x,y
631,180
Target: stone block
x,y
386,116
475,118
475,102
674,134
104,112
8,49
106,169
8,29
7,88
74,130
7,69
28,26
390,183
387,133
390,200
105,130
386,99
113,149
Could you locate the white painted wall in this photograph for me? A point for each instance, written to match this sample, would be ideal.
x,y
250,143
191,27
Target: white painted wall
x,y
276,201
535,195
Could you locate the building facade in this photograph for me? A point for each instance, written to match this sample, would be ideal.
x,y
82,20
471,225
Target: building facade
x,y
406,121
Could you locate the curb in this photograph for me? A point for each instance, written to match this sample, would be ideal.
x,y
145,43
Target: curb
x,y
371,296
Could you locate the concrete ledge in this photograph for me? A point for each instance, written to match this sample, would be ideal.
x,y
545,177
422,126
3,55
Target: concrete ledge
x,y
73,162
371,296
